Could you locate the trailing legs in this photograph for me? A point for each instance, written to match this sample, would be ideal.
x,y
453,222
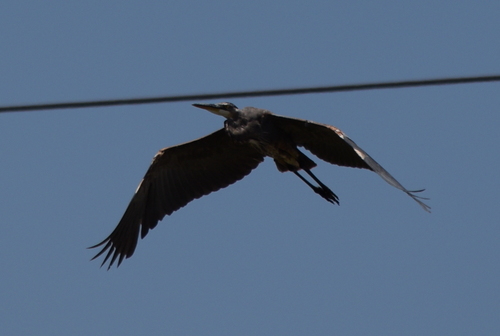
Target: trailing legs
x,y
321,189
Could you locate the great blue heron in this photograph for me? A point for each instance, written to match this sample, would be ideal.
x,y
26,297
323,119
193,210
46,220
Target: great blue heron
x,y
181,173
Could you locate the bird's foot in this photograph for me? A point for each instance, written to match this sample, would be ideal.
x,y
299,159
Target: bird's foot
x,y
327,194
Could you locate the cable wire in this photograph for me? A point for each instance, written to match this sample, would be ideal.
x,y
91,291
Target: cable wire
x,y
258,93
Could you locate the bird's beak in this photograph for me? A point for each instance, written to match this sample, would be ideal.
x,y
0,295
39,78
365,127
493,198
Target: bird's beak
x,y
214,108
209,107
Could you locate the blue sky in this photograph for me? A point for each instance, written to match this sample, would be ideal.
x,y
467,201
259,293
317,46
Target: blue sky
x,y
265,256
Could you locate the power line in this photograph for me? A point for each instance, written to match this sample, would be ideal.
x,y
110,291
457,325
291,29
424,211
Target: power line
x,y
258,93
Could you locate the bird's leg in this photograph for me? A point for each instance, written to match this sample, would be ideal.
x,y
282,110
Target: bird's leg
x,y
326,191
322,190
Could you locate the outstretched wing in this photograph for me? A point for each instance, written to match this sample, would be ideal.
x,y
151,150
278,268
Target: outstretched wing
x,y
332,145
177,175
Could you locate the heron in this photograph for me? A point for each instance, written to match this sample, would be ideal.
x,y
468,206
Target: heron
x,y
182,173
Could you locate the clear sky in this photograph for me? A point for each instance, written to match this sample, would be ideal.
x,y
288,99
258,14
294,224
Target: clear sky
x,y
265,256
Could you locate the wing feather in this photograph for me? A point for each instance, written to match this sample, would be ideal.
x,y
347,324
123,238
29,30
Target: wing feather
x,y
321,140
334,146
176,176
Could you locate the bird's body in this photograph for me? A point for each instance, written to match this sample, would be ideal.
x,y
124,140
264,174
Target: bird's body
x,y
188,171
255,127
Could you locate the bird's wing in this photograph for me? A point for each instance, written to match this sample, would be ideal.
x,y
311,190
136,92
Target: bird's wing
x,y
324,141
177,175
332,145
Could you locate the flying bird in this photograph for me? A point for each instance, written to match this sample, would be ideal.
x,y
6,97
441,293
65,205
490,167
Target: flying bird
x,y
182,173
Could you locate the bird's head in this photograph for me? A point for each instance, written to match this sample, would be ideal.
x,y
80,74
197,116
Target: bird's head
x,y
228,110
